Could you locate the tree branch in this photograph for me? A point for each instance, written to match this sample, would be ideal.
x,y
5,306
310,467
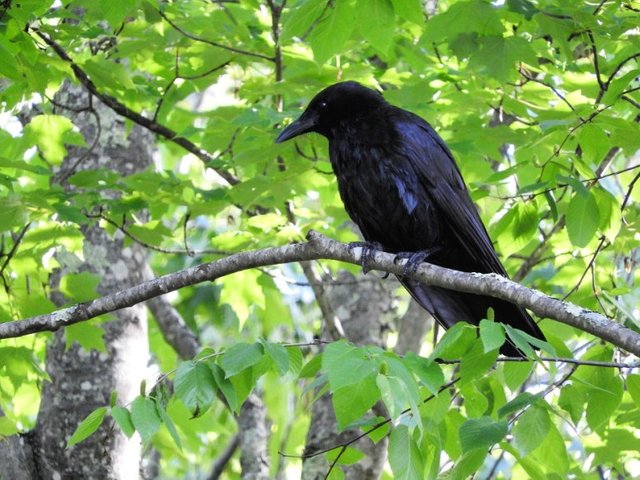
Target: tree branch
x,y
126,112
222,461
321,247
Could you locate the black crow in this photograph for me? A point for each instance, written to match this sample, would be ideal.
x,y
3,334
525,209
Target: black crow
x,y
401,186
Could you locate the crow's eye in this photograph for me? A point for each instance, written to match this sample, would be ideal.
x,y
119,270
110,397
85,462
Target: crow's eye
x,y
323,105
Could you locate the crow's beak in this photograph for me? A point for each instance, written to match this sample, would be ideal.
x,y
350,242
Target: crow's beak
x,y
304,124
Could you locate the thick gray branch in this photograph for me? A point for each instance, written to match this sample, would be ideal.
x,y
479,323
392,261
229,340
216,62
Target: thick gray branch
x,y
321,247
254,433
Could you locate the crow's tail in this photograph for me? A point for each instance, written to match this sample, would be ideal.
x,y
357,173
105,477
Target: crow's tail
x,y
449,307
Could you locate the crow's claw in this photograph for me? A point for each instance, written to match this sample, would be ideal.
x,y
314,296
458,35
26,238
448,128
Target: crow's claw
x,y
368,248
414,259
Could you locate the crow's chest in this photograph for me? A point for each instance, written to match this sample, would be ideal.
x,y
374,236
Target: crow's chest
x,y
382,196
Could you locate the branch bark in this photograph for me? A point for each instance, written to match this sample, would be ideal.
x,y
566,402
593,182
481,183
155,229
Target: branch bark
x,y
253,435
321,247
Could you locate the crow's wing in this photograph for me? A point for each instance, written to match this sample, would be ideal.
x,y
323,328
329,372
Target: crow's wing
x,y
437,173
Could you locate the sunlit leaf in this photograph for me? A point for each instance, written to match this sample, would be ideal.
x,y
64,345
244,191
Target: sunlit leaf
x,y
145,417
87,426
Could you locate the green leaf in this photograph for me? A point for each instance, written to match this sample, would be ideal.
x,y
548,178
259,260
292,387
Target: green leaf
x,y
406,390
411,10
633,387
604,397
7,427
336,474
348,456
469,463
87,426
551,454
381,432
521,401
517,228
583,219
225,386
240,357
573,401
523,7
169,424
475,363
279,355
145,418
346,365
266,222
531,429
109,74
115,11
122,416
80,287
553,206
195,386
311,367
395,394
94,178
51,133
515,373
352,401
481,433
609,213
523,341
498,56
12,212
492,335
618,86
428,371
476,399
454,342
473,16
332,31
405,457
376,22
295,359
89,336
594,142
301,18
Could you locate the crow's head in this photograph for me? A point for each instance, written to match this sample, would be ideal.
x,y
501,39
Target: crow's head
x,y
332,108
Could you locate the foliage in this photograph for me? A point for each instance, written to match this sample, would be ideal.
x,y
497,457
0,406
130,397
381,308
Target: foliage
x,y
538,100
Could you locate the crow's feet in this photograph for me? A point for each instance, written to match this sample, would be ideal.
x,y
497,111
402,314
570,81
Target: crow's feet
x,y
368,249
414,259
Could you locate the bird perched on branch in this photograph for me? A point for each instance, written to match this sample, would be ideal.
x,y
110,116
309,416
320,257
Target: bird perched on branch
x,y
401,186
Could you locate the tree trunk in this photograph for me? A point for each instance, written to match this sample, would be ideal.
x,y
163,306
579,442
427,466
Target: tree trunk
x,y
82,380
364,310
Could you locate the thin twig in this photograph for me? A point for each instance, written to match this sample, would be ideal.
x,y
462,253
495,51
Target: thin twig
x,y
12,252
166,89
599,7
572,361
630,100
627,195
526,75
596,65
212,43
68,172
586,270
619,67
530,195
155,248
